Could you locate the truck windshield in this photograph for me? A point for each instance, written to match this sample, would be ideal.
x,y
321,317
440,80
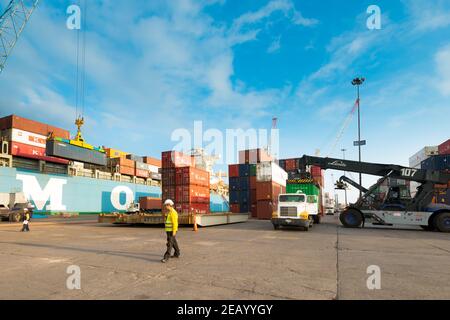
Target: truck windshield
x,y
292,198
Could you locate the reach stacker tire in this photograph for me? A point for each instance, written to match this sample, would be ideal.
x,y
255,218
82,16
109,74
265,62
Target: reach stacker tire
x,y
351,218
442,222
427,228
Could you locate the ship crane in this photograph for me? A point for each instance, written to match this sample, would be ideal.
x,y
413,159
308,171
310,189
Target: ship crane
x,y
12,23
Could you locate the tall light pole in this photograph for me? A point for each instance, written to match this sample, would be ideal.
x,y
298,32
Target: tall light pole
x,y
357,82
345,190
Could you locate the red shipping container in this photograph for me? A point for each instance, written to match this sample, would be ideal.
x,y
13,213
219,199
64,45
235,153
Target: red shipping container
x,y
196,208
444,148
168,177
291,164
233,170
58,132
168,192
175,159
268,190
192,194
234,208
142,173
265,209
316,171
27,151
254,210
149,203
252,182
17,122
192,176
253,196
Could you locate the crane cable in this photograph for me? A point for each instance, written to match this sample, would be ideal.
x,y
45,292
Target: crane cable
x,y
80,70
83,68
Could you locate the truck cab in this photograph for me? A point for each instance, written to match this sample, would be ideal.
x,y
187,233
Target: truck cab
x,y
296,209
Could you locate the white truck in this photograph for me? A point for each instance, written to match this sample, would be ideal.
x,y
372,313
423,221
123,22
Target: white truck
x,y
13,206
296,209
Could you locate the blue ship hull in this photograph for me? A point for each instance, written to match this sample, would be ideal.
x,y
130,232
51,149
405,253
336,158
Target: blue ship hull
x,y
52,193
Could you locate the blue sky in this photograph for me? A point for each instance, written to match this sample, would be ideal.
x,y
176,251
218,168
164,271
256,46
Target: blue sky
x,y
155,66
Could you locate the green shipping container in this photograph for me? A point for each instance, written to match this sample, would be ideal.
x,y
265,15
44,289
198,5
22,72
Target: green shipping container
x,y
309,189
252,170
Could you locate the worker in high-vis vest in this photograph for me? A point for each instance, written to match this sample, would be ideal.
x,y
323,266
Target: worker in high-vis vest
x,y
171,226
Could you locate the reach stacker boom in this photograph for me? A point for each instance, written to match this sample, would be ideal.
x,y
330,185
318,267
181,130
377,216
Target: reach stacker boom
x,y
395,207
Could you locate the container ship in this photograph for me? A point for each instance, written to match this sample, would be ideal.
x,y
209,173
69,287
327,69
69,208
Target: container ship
x,y
58,174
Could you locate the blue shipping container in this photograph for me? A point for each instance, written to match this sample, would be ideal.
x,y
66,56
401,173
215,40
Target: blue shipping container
x,y
244,208
234,183
441,162
244,170
244,197
68,151
234,196
244,183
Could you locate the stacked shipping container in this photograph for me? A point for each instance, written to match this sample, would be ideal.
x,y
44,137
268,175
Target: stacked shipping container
x,y
186,185
313,174
122,165
434,158
242,187
270,182
27,138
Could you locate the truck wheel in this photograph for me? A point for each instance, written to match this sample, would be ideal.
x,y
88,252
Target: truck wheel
x,y
316,219
351,218
443,222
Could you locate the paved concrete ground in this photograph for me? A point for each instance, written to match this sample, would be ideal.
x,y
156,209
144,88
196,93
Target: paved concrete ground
x,y
242,261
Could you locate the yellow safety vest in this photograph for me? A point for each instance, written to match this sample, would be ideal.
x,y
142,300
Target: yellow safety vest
x,y
172,221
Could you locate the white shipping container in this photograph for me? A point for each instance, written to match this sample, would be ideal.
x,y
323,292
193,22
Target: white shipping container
x,y
28,138
423,154
153,168
270,171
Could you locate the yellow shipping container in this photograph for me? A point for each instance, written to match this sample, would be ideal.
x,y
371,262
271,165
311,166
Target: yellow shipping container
x,y
113,153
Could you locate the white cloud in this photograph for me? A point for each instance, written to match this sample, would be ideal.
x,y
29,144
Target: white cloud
x,y
428,15
442,60
274,46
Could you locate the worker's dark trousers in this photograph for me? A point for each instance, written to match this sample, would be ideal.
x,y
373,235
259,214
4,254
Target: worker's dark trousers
x,y
171,243
25,227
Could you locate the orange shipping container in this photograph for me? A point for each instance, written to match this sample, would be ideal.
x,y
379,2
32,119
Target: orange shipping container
x,y
268,190
265,209
153,161
149,203
142,173
192,194
192,176
175,159
126,170
196,208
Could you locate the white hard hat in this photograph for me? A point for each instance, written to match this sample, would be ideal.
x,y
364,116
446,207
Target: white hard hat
x,y
169,202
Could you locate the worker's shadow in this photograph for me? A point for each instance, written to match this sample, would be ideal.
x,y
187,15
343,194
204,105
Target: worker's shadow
x,y
137,256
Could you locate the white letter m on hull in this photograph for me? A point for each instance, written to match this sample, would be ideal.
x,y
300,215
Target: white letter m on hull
x,y
53,191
